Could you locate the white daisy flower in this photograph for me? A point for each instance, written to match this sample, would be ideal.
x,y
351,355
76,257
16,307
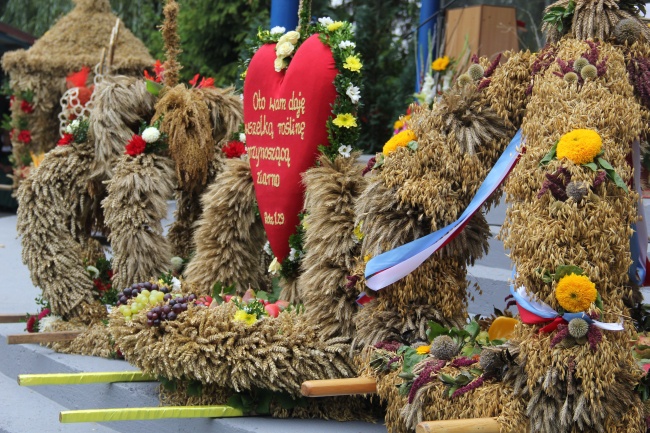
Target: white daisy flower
x,y
354,93
344,150
325,21
347,44
151,134
278,30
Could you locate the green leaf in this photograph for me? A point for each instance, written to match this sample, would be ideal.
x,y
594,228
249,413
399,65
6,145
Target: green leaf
x,y
413,145
564,270
591,165
469,351
411,358
549,156
445,378
476,371
452,390
262,295
617,180
153,87
599,301
473,329
604,164
436,329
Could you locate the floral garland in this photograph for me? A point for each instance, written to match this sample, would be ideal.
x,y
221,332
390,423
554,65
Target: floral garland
x,y
342,127
17,124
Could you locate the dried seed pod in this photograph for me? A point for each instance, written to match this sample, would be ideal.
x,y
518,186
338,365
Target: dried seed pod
x,y
464,80
589,72
571,77
444,347
627,31
580,63
476,72
578,328
577,190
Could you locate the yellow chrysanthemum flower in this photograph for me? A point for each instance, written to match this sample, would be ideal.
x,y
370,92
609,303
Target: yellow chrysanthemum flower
x,y
440,64
242,316
399,124
353,64
399,140
345,120
575,293
334,26
423,350
579,146
367,258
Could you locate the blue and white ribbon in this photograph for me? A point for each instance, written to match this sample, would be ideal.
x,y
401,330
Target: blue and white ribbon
x,y
395,264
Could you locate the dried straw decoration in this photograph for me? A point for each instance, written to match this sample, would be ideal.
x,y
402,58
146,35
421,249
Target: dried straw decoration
x,y
581,390
95,339
172,43
593,19
73,42
134,207
331,191
53,207
229,236
205,344
507,90
121,104
417,192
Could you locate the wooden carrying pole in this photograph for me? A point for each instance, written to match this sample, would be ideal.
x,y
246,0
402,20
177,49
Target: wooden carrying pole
x,y
148,413
83,378
478,425
42,337
13,318
332,387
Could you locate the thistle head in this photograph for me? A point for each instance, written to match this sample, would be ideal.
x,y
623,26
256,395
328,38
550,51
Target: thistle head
x,y
571,77
580,63
578,328
444,347
589,72
464,80
627,31
476,72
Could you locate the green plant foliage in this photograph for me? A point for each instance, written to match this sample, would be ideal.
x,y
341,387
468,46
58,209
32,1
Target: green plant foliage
x,y
559,16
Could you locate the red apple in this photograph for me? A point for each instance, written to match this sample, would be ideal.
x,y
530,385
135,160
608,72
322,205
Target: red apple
x,y
272,309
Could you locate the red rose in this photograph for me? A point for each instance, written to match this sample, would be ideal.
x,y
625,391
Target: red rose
x,y
26,107
25,136
135,146
44,312
234,149
30,323
65,139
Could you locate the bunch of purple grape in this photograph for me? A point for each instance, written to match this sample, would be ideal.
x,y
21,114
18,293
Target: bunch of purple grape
x,y
170,310
137,288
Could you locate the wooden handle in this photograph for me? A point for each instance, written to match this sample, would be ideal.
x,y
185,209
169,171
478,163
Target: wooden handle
x,y
477,425
331,387
13,318
42,337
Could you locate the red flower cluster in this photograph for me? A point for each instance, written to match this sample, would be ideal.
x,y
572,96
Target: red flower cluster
x,y
158,70
32,321
135,146
25,136
26,107
205,82
102,286
234,149
65,139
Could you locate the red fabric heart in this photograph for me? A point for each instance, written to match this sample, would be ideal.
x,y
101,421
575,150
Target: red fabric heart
x,y
278,160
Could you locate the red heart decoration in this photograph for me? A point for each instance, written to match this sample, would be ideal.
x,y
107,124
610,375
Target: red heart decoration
x,y
285,115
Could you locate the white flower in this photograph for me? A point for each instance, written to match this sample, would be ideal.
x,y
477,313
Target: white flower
x,y
267,248
279,64
292,36
278,30
347,44
284,49
325,21
294,255
68,129
46,324
176,284
150,134
345,150
275,266
354,93
242,137
75,124
93,271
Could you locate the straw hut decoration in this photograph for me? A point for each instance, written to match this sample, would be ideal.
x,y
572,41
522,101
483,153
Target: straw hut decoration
x,y
38,75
